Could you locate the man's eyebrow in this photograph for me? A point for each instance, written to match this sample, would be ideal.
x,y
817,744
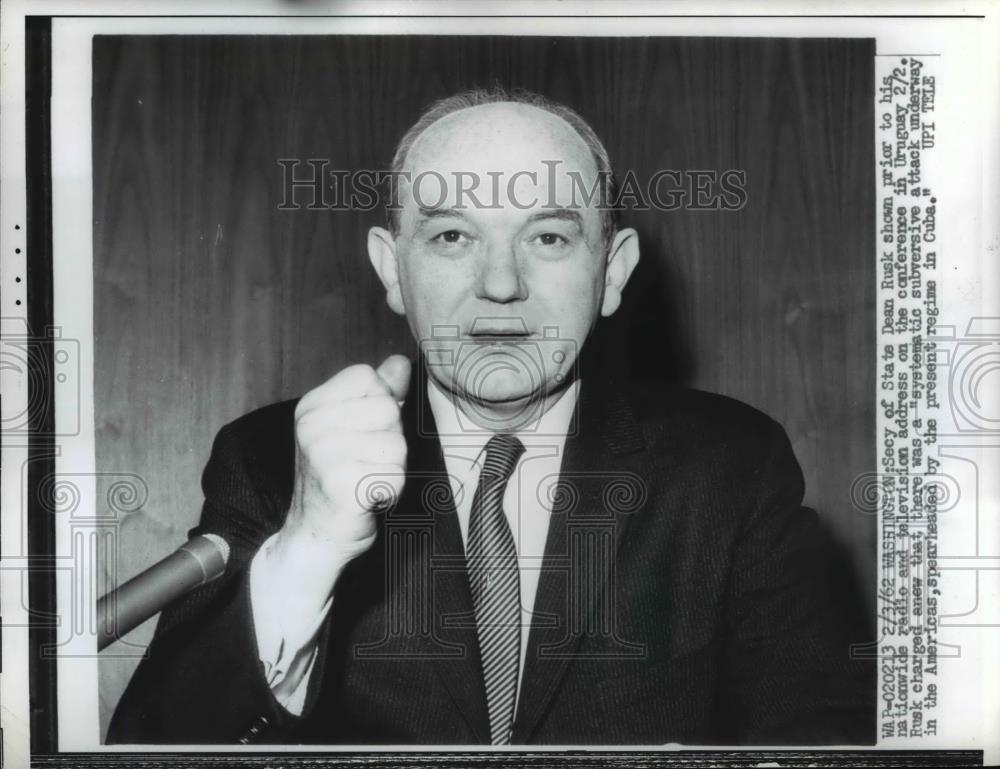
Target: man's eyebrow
x,y
563,214
437,213
426,214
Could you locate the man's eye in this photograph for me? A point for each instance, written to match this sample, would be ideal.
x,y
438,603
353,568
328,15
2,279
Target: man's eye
x,y
450,236
551,239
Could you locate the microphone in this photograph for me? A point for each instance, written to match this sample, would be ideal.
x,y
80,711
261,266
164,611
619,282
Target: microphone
x,y
198,561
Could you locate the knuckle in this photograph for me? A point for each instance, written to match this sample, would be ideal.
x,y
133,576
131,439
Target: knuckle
x,y
304,427
313,437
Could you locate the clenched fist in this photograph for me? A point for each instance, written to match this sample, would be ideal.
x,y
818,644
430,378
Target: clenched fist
x,y
348,436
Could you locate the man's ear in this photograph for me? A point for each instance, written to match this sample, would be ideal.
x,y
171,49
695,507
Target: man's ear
x,y
382,253
623,256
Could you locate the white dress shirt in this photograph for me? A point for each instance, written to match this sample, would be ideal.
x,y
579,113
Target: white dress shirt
x,y
286,640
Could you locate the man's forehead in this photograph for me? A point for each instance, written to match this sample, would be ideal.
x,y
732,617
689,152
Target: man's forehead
x,y
504,137
501,161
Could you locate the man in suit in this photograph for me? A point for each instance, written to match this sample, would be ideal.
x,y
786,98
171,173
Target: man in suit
x,y
514,548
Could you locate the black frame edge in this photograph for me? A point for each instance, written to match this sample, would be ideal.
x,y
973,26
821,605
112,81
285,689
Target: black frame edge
x,y
41,402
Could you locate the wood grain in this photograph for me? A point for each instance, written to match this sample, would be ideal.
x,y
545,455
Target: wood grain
x,y
210,301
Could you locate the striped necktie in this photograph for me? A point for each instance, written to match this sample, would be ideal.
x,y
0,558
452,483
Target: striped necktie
x,y
496,592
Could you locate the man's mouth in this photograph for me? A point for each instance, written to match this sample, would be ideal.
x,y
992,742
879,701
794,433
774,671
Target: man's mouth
x,y
498,330
498,337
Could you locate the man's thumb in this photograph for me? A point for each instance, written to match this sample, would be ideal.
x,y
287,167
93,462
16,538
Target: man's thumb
x,y
395,372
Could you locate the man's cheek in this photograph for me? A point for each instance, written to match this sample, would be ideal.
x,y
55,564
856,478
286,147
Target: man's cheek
x,y
572,307
435,275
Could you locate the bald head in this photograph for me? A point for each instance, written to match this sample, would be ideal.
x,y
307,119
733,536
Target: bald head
x,y
519,119
510,132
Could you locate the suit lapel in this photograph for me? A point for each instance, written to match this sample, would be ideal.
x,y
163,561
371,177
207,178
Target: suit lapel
x,y
600,493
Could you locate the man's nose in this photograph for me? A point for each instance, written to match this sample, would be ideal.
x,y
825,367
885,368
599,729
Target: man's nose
x,y
500,278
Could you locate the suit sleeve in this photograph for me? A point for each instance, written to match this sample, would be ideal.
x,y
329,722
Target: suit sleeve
x,y
792,675
202,681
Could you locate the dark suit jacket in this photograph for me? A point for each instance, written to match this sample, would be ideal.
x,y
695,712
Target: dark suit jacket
x,y
682,599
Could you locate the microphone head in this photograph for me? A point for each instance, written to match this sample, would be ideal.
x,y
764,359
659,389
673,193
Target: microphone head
x,y
221,544
211,552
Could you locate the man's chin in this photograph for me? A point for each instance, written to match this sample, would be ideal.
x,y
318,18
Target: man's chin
x,y
503,407
504,398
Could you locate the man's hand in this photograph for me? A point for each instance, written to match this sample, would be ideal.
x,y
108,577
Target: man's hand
x,y
349,438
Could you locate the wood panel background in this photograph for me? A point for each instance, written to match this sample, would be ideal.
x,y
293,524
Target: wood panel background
x,y
210,301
